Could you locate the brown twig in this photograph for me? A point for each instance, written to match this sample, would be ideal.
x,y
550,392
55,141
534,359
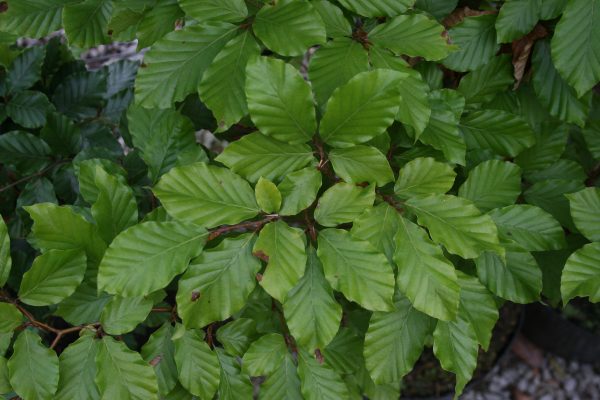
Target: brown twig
x,y
392,201
244,226
35,175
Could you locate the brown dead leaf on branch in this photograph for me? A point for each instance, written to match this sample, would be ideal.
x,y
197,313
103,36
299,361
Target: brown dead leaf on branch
x,y
521,50
461,13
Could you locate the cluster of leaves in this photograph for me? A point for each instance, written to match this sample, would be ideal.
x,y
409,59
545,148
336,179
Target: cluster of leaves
x,y
397,169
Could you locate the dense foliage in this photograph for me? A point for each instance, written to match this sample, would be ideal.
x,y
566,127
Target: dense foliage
x,y
387,173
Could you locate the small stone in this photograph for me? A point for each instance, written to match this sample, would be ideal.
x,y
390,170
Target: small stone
x,y
570,385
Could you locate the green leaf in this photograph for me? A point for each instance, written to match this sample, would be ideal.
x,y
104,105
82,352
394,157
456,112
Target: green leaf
x,y
176,63
566,169
159,351
264,355
285,249
53,277
28,108
517,18
550,196
257,155
484,83
78,370
413,35
492,184
378,8
336,24
222,88
395,340
361,164
550,144
197,365
122,373
80,94
146,257
233,385
425,276
299,190
218,282
457,224
122,314
86,23
11,318
215,10
504,133
423,176
4,381
475,38
235,336
267,195
283,383
576,45
280,101
455,345
206,195
63,136
24,150
318,381
343,202
26,69
361,109
33,368
5,258
355,268
553,91
518,279
160,136
345,353
157,21
115,208
33,18
585,209
86,175
334,64
86,304
378,225
289,27
59,227
311,312
478,307
437,8
531,227
580,275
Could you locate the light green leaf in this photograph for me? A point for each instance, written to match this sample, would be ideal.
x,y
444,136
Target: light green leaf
x,y
24,150
11,317
122,314
156,21
553,91
197,365
33,18
289,27
378,8
361,109
423,176
475,38
53,277
492,184
146,257
517,18
361,164
378,225
233,385
4,381
218,282
457,224
343,202
86,304
267,195
484,83
176,63
222,88
279,100
206,195
504,133
299,190
5,258
283,383
355,268
585,209
285,249
455,345
159,351
265,355
478,307
413,35
518,279
122,373
576,45
33,368
78,370
235,336
425,276
215,10
334,64
580,275
318,381
312,314
86,24
395,341
257,155
26,69
28,108
336,24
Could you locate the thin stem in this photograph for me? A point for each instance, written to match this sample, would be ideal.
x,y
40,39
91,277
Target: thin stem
x,y
244,226
35,175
